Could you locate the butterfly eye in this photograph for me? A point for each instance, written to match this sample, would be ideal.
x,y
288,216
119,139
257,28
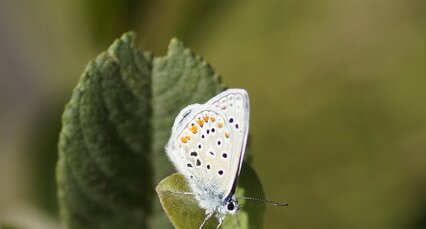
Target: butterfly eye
x,y
230,206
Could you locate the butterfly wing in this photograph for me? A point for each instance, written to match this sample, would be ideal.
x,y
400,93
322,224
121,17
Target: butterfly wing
x,y
235,105
208,142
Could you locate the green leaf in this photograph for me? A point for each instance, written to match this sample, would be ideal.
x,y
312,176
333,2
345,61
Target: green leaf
x,y
104,173
184,211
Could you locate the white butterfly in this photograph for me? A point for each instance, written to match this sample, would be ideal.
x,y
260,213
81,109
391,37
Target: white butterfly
x,y
207,146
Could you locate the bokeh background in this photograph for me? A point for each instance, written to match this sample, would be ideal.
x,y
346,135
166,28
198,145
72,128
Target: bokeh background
x,y
337,89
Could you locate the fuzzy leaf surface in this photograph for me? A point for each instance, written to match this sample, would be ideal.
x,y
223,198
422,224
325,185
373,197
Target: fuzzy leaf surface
x,y
104,175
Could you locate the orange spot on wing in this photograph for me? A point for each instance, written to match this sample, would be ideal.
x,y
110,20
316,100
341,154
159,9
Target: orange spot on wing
x,y
220,124
194,129
206,118
200,122
226,135
212,118
185,139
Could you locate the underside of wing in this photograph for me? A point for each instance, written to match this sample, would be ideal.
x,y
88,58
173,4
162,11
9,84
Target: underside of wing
x,y
208,142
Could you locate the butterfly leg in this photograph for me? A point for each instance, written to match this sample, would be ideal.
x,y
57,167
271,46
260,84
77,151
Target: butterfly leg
x,y
220,221
205,219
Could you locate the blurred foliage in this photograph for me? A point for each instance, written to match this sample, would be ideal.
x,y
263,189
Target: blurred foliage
x,y
7,226
109,19
44,145
337,91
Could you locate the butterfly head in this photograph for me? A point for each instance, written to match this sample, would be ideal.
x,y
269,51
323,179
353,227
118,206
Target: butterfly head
x,y
230,206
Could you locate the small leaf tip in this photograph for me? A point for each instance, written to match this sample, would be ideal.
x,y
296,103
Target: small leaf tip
x,y
175,40
131,34
175,45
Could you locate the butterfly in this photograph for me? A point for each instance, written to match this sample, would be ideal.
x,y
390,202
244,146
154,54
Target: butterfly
x,y
207,146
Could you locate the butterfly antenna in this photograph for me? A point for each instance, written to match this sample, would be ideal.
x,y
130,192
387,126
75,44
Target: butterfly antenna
x,y
263,201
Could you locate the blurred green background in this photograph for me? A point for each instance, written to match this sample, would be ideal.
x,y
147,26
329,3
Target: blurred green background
x,y
337,89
